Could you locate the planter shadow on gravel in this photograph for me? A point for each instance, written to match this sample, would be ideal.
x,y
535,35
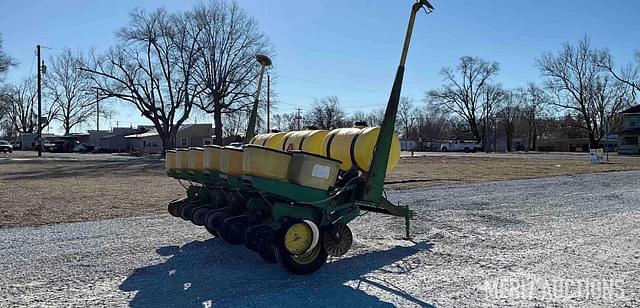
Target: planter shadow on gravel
x,y
214,273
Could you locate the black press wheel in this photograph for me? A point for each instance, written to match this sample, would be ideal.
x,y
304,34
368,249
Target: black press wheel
x,y
269,255
208,225
199,214
186,210
175,207
291,243
215,218
261,239
233,230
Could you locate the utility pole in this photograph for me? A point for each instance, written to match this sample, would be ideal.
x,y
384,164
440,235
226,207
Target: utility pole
x,y
39,105
484,128
298,118
268,103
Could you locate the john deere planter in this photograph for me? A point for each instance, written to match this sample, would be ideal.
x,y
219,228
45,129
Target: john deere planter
x,y
289,196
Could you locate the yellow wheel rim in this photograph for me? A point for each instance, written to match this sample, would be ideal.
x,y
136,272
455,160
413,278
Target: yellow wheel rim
x,y
307,257
298,238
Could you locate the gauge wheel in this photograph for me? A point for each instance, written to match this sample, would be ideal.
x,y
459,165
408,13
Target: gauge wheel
x,y
337,239
295,251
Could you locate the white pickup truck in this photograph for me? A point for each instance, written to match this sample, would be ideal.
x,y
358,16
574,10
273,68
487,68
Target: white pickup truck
x,y
459,146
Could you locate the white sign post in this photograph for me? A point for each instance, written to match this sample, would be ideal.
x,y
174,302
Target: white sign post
x,y
597,155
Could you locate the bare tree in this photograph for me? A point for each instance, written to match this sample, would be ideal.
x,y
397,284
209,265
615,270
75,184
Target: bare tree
x,y
372,118
22,100
19,107
235,124
284,121
326,113
70,88
467,92
577,77
6,62
358,116
509,113
226,71
435,124
6,122
375,117
406,116
153,69
493,98
535,100
629,75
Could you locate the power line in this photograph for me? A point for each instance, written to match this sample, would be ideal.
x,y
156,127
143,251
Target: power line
x,y
50,48
33,60
348,106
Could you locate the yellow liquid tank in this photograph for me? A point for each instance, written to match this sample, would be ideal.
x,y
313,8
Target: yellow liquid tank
x,y
354,146
311,141
271,140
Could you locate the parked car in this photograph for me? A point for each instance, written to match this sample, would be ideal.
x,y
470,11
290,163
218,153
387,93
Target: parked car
x,y
53,147
83,148
459,146
5,146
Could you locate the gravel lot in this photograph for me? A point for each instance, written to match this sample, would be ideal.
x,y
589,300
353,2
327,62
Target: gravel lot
x,y
561,241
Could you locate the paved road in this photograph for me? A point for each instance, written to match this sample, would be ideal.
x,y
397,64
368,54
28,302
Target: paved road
x,y
566,241
538,155
27,156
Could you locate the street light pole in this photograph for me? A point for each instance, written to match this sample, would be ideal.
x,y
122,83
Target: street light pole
x,y
268,103
251,128
606,129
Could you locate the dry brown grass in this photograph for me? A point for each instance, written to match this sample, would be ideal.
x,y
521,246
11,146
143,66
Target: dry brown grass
x,y
38,192
437,170
46,192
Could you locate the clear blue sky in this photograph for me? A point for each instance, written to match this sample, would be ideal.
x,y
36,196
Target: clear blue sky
x,y
350,48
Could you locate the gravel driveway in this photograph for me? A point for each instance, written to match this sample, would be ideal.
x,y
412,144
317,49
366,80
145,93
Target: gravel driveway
x,y
565,241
